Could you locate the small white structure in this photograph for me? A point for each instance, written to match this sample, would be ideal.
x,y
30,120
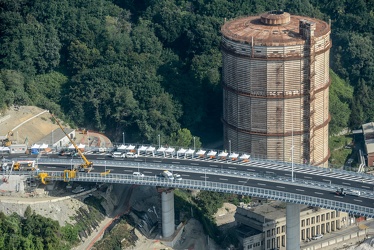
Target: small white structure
x,y
170,151
142,149
233,156
4,150
244,157
223,155
201,153
18,148
151,150
190,152
212,154
181,152
121,148
161,150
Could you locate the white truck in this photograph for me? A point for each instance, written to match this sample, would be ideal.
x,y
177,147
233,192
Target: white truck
x,y
167,175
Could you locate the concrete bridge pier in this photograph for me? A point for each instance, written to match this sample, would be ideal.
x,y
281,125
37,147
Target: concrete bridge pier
x,y
292,226
168,215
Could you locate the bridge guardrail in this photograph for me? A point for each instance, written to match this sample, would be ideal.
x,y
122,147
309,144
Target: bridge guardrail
x,y
218,187
223,171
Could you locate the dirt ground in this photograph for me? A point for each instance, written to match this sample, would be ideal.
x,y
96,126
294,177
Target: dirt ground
x,y
33,130
40,126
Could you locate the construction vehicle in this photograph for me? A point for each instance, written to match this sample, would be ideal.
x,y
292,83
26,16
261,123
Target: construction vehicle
x,y
7,142
87,165
24,166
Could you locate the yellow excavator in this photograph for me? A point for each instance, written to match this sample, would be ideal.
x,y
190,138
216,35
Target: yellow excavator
x,y
87,165
7,142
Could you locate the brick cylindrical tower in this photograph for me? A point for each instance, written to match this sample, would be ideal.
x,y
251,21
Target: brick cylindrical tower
x,y
276,87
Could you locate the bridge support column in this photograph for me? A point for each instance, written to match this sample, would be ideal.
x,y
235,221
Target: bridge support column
x,y
292,226
167,204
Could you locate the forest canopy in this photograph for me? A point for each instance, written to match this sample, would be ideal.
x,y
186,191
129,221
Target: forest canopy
x,y
154,67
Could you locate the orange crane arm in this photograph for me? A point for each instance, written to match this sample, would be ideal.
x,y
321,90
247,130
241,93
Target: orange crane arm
x,y
87,164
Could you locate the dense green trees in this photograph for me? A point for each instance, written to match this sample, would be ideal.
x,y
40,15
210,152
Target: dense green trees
x,y
34,232
154,67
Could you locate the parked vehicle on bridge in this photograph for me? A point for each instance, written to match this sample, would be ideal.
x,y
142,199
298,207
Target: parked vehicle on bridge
x,y
137,174
167,175
130,155
177,177
117,154
317,236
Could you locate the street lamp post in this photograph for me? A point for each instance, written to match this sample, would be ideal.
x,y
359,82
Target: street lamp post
x,y
292,148
52,138
194,147
159,141
123,138
230,147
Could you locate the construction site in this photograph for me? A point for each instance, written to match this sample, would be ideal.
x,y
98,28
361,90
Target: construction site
x,y
25,127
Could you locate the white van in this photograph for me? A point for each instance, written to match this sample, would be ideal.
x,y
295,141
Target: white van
x,y
117,155
137,174
131,155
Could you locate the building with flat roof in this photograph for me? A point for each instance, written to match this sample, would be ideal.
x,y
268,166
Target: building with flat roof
x,y
57,138
268,224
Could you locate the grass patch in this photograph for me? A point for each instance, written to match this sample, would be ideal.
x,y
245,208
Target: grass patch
x,y
339,154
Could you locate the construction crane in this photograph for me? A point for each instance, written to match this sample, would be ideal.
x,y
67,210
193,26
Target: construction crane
x,y
87,165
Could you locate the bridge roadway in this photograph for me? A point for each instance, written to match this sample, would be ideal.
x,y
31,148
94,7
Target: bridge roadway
x,y
266,179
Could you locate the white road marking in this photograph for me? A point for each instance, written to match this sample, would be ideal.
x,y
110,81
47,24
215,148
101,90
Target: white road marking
x,y
307,177
213,165
50,167
318,193
346,183
287,174
252,170
175,162
261,184
127,170
357,200
157,161
100,158
365,186
301,190
243,181
269,172
185,175
196,164
223,179
232,167
280,187
147,172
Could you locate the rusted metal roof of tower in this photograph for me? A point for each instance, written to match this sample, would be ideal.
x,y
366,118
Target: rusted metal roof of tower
x,y
273,28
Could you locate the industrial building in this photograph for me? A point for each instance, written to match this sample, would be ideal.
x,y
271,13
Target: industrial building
x,y
264,226
276,87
